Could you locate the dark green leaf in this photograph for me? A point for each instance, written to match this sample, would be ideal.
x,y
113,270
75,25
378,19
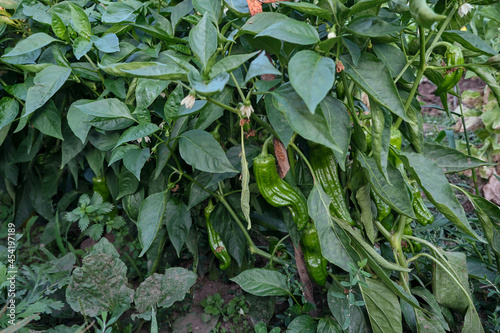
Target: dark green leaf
x,y
432,180
203,40
127,183
230,63
150,219
364,5
374,78
292,31
258,23
151,70
451,160
108,43
260,66
30,44
262,282
80,21
381,136
313,127
214,86
199,149
394,195
308,8
334,243
469,41
47,83
106,108
134,160
372,27
302,324
383,307
48,120
78,120
210,7
278,121
312,76
136,132
178,221
9,109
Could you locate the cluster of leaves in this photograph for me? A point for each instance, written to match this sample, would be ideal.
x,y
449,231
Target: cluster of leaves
x,y
170,101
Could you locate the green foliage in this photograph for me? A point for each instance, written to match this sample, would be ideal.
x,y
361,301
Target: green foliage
x,y
168,103
93,215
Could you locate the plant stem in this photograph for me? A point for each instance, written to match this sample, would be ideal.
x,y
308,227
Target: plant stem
x,y
242,95
420,74
158,255
474,175
220,197
305,160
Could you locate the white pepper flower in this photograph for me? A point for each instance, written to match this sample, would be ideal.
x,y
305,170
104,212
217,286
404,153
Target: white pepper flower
x,y
147,139
332,34
464,9
246,111
188,101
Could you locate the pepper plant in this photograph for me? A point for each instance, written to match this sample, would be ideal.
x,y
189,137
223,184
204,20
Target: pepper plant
x,y
167,110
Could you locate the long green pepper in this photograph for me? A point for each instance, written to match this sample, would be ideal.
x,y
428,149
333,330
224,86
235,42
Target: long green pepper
x,y
454,57
276,191
215,242
315,262
324,166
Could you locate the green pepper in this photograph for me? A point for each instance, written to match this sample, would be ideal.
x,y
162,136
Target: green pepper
x,y
423,14
276,191
100,186
424,216
454,57
383,209
388,222
324,167
315,262
214,240
279,250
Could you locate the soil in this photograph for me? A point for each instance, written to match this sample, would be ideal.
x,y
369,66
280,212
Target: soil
x,y
427,88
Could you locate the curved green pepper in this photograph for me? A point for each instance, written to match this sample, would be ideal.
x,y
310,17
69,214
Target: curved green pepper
x,y
383,209
454,57
315,262
388,222
324,166
100,186
424,216
423,14
214,240
276,191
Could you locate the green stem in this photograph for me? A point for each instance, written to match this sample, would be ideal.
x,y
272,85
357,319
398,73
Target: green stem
x,y
158,255
132,262
420,74
383,230
449,271
261,122
350,100
305,160
242,95
220,197
474,175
